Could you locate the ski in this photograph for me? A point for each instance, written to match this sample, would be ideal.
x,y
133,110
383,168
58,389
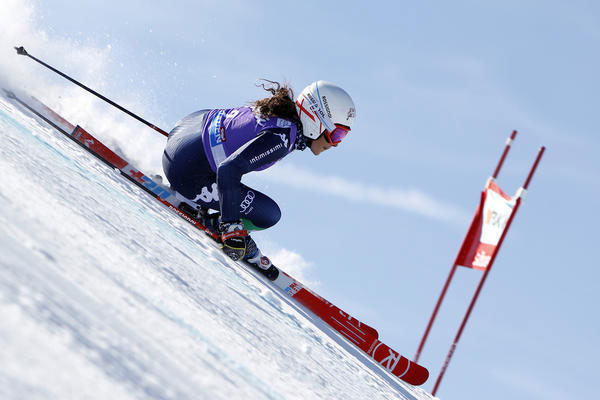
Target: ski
x,y
356,332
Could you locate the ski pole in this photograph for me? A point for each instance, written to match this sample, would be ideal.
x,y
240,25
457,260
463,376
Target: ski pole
x,y
21,51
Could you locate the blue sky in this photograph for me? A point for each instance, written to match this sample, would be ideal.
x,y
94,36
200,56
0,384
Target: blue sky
x,y
438,87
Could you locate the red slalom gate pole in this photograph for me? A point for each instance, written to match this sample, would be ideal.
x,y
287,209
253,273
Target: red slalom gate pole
x,y
453,270
487,271
509,141
435,311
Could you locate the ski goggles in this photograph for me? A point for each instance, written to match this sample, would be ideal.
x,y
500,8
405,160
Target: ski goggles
x,y
335,137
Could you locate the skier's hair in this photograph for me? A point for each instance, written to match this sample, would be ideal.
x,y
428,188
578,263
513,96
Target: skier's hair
x,y
280,104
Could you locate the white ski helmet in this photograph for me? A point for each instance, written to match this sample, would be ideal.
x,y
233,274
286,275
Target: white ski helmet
x,y
323,105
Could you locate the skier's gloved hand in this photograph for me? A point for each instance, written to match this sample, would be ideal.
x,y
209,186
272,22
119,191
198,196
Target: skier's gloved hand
x,y
233,236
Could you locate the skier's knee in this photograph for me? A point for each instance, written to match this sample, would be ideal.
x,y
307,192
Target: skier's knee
x,y
274,216
263,220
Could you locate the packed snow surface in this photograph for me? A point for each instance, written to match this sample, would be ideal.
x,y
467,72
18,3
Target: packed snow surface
x,y
105,294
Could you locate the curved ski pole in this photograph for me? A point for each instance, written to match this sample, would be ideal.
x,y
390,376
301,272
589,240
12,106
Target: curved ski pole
x,y
21,51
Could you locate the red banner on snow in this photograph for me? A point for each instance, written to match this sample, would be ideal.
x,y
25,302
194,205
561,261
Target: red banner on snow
x,y
489,222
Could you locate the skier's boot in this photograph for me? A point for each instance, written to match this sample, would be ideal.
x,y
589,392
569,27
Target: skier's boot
x,y
202,215
261,262
233,236
209,220
190,211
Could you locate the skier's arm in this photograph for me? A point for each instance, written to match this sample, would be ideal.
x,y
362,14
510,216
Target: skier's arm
x,y
270,146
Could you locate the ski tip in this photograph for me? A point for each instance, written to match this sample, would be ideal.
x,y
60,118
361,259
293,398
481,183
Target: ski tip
x,y
21,51
417,375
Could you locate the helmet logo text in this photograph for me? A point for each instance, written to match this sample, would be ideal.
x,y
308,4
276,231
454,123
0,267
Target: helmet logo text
x,y
351,113
326,104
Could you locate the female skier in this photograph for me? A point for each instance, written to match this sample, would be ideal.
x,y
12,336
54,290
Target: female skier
x,y
208,152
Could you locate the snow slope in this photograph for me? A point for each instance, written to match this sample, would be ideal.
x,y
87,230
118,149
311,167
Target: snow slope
x,y
106,294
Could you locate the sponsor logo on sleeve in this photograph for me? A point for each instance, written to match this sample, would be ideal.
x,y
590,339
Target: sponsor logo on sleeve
x,y
283,123
266,153
216,135
284,139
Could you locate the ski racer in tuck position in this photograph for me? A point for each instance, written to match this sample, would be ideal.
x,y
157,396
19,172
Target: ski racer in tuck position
x,y
209,151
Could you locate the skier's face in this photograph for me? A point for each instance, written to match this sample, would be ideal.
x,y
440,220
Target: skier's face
x,y
320,145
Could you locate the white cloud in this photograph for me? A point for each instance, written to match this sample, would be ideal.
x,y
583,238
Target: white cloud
x,y
410,200
291,262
